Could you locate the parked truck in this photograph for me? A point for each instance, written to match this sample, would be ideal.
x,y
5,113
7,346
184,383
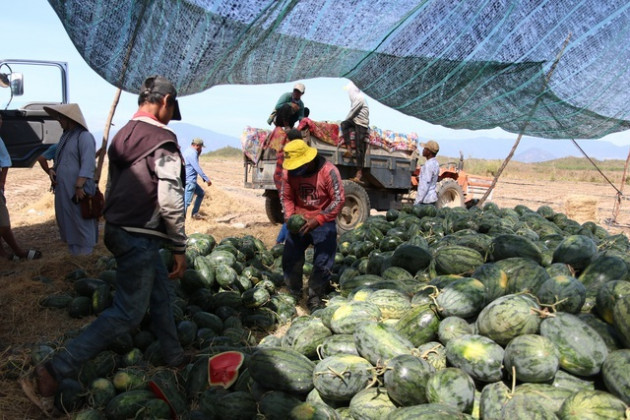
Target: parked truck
x,y
392,181
27,130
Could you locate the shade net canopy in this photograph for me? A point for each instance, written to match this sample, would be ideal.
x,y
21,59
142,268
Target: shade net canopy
x,y
474,64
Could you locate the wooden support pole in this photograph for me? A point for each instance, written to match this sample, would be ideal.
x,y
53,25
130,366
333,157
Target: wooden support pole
x,y
108,124
617,205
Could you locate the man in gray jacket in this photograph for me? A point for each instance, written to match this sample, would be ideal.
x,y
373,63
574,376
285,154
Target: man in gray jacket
x,y
357,121
144,208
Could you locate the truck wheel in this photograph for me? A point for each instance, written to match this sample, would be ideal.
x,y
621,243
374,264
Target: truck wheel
x,y
449,194
356,208
273,207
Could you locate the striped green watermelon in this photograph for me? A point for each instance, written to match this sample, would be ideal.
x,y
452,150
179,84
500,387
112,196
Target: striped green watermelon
x,y
621,319
405,379
476,355
452,386
493,398
576,250
428,412
493,278
378,343
371,403
546,395
524,274
616,374
127,404
340,377
463,298
592,405
345,317
607,296
566,291
602,270
419,324
453,327
457,259
526,407
337,344
434,353
582,351
509,316
305,334
392,303
312,411
282,369
276,404
509,246
237,405
533,357
571,382
412,258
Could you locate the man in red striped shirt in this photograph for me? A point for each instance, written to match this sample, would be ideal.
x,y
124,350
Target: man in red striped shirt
x,y
314,189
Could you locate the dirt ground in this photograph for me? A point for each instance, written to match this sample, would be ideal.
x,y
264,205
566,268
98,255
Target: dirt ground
x,y
230,210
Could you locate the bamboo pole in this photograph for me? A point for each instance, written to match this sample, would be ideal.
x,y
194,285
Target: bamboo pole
x,y
108,124
520,135
617,205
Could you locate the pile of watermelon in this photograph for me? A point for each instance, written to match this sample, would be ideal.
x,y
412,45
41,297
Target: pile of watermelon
x,y
438,313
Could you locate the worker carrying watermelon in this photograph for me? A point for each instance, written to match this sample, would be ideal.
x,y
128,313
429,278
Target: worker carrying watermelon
x,y
312,189
429,173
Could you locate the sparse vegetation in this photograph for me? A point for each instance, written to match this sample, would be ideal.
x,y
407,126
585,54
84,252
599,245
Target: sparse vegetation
x,y
564,169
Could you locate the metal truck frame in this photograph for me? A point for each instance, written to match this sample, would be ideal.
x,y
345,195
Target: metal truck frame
x,y
28,131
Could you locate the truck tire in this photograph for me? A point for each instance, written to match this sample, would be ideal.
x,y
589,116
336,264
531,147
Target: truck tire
x,y
449,194
273,207
356,209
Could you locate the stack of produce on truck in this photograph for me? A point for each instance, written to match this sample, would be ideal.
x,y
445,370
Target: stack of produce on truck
x,y
391,164
491,313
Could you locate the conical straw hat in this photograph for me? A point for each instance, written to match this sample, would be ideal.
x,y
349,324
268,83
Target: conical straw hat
x,y
71,111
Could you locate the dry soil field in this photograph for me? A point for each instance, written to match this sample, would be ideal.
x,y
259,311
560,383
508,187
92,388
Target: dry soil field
x,y
230,210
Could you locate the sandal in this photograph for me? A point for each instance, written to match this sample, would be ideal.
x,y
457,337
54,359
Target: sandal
x,y
29,386
31,254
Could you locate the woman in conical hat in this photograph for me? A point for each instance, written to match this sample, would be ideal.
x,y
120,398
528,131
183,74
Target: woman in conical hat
x,y
73,177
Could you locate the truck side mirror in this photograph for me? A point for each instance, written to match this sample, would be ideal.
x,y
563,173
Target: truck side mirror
x,y
17,84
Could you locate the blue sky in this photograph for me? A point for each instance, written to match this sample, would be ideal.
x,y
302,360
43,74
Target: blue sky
x,y
39,35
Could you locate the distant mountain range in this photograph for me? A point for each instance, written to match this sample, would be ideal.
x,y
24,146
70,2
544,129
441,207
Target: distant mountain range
x,y
529,150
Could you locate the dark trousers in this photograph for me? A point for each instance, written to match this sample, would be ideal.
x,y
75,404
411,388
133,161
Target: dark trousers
x,y
324,241
360,133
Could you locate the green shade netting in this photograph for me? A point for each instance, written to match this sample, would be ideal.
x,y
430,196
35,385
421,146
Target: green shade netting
x,y
458,63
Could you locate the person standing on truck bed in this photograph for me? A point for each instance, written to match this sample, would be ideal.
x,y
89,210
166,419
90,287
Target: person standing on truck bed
x,y
191,157
289,109
429,173
357,121
312,188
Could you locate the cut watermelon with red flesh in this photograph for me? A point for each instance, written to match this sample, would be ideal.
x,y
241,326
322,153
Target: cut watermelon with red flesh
x,y
160,394
223,368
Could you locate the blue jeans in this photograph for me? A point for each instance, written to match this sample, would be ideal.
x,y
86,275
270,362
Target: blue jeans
x,y
324,241
141,282
192,188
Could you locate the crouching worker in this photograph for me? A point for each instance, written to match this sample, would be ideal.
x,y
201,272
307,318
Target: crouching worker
x,y
313,189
